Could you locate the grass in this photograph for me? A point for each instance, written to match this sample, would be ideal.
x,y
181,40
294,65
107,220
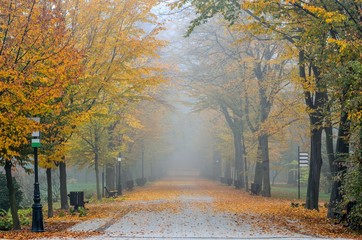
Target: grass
x,y
86,187
291,192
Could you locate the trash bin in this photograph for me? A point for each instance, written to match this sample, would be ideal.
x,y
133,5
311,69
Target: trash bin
x,y
76,199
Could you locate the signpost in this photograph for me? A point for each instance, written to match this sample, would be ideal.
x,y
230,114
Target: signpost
x,y
303,161
37,221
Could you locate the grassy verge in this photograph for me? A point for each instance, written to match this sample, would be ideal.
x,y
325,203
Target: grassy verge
x,y
86,187
291,192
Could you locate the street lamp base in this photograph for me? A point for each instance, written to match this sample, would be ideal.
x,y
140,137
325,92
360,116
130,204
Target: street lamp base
x,y
37,224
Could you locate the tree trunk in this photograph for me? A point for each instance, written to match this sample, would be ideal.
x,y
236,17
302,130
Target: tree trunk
x,y
315,165
315,101
239,163
12,199
63,186
264,145
258,176
96,168
50,192
338,169
329,145
236,126
245,163
227,172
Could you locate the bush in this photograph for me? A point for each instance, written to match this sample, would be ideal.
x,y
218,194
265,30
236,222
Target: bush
x,y
25,216
352,184
82,212
352,188
6,220
4,193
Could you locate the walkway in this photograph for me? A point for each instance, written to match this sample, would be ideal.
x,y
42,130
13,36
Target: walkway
x,y
188,208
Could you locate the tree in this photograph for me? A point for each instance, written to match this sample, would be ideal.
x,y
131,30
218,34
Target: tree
x,y
35,58
118,40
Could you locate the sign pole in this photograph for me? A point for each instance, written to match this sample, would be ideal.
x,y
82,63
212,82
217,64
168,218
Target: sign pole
x,y
298,173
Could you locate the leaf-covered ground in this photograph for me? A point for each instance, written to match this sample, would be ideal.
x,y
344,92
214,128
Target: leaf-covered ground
x,y
170,195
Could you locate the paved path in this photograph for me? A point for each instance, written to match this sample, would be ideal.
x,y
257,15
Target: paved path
x,y
192,218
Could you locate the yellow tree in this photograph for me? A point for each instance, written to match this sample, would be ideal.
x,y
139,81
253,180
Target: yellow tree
x,y
118,39
37,65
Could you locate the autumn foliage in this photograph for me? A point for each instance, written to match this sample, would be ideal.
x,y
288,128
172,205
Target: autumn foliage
x,y
38,62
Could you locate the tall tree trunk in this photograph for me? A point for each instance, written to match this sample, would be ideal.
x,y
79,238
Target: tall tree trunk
x,y
236,126
227,172
12,199
63,186
338,169
96,168
239,158
258,176
245,163
50,192
264,146
263,140
315,165
316,102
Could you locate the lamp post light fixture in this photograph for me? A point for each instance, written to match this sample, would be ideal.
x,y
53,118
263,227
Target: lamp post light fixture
x,y
119,186
37,220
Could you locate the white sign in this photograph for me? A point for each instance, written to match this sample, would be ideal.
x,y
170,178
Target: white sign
x,y
303,159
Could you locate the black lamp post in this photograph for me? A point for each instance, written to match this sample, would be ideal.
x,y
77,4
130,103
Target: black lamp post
x,y
37,221
119,186
143,161
143,170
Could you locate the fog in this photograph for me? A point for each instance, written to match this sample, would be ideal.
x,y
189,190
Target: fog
x,y
205,119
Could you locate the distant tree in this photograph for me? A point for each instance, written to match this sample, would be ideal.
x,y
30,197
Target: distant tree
x,y
328,24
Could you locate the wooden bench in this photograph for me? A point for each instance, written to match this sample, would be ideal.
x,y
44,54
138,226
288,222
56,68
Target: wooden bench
x,y
111,193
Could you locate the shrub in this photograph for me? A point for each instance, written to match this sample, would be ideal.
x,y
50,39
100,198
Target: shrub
x,y
352,183
352,188
25,216
82,212
6,221
61,214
